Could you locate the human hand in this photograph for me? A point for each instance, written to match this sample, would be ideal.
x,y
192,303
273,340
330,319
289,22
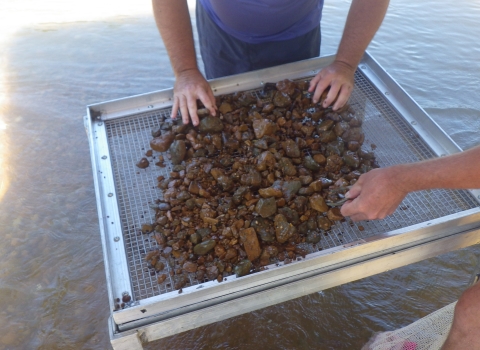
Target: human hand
x,y
339,76
374,196
191,86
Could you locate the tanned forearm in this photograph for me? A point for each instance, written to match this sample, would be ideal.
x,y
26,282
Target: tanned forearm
x,y
173,22
363,21
458,171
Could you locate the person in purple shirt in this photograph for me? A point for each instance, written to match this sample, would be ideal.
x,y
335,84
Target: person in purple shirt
x,y
241,35
237,36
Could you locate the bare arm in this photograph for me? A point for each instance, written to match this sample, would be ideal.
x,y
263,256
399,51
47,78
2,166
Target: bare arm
x,y
379,192
173,22
364,19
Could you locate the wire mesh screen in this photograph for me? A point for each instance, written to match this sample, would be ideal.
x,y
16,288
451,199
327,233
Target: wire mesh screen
x,y
386,133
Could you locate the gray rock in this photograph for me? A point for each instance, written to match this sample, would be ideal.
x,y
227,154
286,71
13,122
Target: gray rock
x,y
210,124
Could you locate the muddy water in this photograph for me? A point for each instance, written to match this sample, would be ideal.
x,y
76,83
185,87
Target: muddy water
x,y
56,59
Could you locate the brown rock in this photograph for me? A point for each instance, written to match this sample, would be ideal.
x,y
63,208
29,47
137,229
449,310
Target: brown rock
x,y
264,258
318,203
289,188
163,142
263,127
146,228
161,278
306,179
143,163
220,251
216,173
177,151
194,187
253,179
231,255
324,223
250,243
281,99
210,124
316,186
225,107
291,149
265,161
270,192
287,86
189,267
266,207
212,272
287,167
334,214
283,230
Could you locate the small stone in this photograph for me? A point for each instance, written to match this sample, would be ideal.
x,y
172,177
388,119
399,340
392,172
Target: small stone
x,y
210,124
180,281
159,266
164,206
212,272
318,203
270,192
204,247
195,238
243,268
281,99
287,167
262,127
311,164
266,207
162,220
264,258
334,214
183,196
290,214
287,86
313,237
161,278
177,151
291,149
204,232
250,242
264,229
210,221
290,189
265,161
163,142
225,107
143,163
324,223
190,267
283,230
231,254
320,159
217,172
146,228
305,179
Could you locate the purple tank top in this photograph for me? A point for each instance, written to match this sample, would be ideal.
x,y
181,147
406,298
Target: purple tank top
x,y
258,21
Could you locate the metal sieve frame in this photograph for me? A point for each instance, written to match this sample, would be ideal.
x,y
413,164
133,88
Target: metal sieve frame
x,y
114,129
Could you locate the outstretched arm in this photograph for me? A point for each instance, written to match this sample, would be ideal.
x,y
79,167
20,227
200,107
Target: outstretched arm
x,y
173,22
378,193
364,19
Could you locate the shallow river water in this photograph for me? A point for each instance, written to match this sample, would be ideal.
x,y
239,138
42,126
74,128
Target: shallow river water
x,y
57,57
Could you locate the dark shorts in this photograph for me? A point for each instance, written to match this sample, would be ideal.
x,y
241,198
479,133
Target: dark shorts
x,y
223,54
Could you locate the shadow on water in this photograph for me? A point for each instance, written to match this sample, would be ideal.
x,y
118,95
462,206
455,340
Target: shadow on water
x,y
53,291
